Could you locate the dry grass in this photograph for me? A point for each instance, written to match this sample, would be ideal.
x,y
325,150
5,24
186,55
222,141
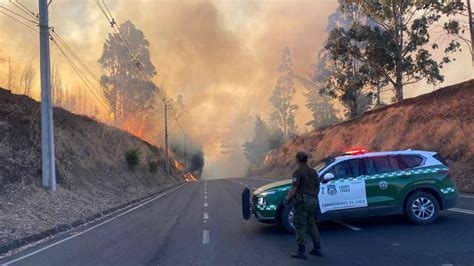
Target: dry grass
x,y
92,173
441,121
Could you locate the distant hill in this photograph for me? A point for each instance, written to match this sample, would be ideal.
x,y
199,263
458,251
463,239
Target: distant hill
x,y
441,121
92,173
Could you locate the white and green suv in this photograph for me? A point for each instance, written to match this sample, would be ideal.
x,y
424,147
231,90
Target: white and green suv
x,y
359,184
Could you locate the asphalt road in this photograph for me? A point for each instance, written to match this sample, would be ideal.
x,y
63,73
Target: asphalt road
x,y
200,224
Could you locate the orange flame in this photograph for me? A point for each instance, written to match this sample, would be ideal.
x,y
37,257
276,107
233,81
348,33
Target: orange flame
x,y
133,128
178,165
189,177
267,158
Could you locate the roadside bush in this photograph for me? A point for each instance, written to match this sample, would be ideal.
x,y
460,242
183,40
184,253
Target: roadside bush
x,y
133,158
153,167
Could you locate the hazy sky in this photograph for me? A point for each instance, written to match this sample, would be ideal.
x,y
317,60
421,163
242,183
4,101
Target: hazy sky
x,y
220,55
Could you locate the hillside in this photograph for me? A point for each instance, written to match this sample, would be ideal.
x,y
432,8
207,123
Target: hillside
x,y
441,121
92,173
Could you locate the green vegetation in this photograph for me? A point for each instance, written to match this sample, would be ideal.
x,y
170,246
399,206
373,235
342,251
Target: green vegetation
x,y
133,158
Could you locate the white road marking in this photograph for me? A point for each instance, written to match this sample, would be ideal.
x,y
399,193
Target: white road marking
x,y
206,237
254,187
93,227
467,196
204,221
461,211
205,216
348,225
205,197
205,204
205,192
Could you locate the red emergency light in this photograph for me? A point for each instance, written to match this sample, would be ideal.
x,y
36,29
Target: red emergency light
x,y
356,152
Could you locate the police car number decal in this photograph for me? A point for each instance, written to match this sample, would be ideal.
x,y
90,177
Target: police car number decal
x,y
342,195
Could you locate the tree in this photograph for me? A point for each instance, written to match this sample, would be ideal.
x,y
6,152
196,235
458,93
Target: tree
x,y
457,28
57,89
27,78
197,161
323,111
10,77
128,93
343,75
254,150
397,43
283,95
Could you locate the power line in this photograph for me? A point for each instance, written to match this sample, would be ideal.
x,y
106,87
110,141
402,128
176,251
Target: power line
x,y
21,16
105,10
24,9
19,21
83,78
79,59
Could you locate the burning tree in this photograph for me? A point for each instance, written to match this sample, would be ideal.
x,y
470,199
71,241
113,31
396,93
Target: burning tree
x,y
283,95
127,92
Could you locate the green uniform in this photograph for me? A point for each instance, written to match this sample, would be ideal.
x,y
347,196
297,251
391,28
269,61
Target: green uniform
x,y
306,203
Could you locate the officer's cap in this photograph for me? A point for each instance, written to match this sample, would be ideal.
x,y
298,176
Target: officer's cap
x,y
301,156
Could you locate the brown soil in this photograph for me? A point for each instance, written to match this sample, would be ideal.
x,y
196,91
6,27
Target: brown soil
x,y
92,173
441,121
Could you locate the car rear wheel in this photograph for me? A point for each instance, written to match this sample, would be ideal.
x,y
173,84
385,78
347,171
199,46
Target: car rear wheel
x,y
287,218
422,208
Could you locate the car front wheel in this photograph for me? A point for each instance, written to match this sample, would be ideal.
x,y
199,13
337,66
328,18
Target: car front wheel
x,y
422,208
287,219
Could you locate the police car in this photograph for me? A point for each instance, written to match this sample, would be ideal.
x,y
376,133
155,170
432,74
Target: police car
x,y
362,184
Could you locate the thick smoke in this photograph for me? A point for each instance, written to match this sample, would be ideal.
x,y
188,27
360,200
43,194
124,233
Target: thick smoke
x,y
220,55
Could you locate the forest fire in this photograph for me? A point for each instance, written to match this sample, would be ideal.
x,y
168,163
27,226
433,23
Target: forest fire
x,y
267,158
178,165
189,177
133,129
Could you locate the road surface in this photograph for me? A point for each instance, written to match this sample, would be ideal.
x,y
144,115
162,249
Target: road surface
x,y
200,224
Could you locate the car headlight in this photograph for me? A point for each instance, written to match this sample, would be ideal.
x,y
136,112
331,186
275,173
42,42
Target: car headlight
x,y
267,193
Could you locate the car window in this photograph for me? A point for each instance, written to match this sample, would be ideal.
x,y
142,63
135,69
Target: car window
x,y
377,165
355,167
410,161
349,168
394,164
342,170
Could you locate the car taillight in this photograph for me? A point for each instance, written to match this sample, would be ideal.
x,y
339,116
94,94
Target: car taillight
x,y
445,172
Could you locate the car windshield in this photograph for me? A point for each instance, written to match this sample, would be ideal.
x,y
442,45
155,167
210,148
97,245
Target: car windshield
x,y
320,165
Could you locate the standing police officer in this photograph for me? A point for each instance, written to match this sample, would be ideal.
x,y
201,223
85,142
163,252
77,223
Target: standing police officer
x,y
304,196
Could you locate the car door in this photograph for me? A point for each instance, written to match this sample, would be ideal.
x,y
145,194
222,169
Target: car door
x,y
383,184
345,195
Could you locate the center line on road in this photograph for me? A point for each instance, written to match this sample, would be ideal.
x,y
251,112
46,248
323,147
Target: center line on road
x,y
205,216
206,237
205,204
205,197
461,211
348,225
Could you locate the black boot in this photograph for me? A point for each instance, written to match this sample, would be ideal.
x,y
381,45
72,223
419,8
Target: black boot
x,y
300,254
316,249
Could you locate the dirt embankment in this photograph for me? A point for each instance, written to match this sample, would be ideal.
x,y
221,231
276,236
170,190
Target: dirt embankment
x,y
441,121
92,174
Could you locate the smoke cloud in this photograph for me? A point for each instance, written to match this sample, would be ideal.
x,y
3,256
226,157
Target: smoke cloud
x,y
221,56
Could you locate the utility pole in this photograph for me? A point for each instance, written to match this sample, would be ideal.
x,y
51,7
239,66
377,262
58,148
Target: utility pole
x,y
47,125
185,158
168,107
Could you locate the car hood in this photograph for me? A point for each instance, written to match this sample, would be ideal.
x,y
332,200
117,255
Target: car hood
x,y
272,185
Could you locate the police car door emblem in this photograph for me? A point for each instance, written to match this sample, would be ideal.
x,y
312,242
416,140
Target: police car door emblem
x,y
332,189
383,184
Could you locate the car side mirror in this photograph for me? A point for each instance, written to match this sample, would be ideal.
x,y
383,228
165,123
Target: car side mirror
x,y
328,176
